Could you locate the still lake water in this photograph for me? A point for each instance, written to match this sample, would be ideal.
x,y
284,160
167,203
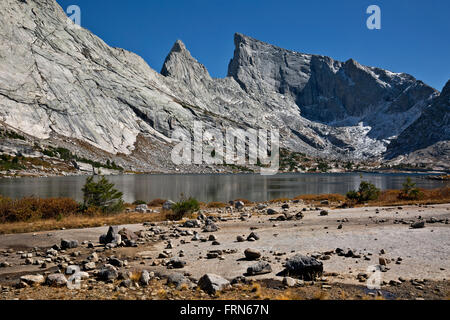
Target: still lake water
x,y
211,187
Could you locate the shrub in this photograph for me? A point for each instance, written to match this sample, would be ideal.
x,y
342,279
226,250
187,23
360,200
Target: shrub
x,y
409,191
30,208
367,192
184,207
139,202
102,195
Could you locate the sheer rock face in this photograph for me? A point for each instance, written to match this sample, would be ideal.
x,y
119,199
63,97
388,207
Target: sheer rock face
x,y
59,81
331,92
431,128
57,78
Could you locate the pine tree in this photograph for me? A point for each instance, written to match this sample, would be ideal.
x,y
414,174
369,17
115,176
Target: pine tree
x,y
102,195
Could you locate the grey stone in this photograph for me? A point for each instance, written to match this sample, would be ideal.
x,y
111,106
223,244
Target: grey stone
x,y
68,244
33,280
306,268
56,280
262,267
145,278
212,283
418,225
251,254
108,273
168,205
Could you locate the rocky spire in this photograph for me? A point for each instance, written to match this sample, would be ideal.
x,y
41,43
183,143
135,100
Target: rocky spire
x,y
180,65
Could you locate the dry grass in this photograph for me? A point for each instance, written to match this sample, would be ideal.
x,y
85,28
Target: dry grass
x,y
78,222
393,197
216,205
332,197
156,203
32,209
279,200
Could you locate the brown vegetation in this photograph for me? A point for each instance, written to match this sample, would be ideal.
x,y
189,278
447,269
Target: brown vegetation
x,y
216,205
32,209
332,197
78,221
156,203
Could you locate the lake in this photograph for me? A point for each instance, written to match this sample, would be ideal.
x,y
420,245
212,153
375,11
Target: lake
x,y
212,187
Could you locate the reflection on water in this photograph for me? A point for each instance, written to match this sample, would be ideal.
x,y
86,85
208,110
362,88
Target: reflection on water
x,y
211,187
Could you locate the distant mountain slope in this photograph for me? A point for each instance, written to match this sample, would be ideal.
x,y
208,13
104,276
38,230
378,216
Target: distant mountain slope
x,y
61,84
430,128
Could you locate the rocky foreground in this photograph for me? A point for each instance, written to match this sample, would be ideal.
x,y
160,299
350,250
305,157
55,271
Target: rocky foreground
x,y
277,251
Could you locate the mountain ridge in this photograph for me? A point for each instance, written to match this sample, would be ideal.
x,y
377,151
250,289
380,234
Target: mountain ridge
x,y
61,83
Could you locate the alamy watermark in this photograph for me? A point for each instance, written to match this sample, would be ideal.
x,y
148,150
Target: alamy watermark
x,y
374,20
74,17
233,147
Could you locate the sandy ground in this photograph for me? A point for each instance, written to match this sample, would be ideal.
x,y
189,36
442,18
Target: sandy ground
x,y
425,252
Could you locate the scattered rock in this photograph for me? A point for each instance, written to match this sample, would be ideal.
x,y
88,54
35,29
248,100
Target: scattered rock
x,y
239,205
68,244
177,279
306,268
253,237
177,263
212,283
261,267
33,280
142,208
418,225
56,280
289,282
168,205
251,254
112,236
145,278
108,273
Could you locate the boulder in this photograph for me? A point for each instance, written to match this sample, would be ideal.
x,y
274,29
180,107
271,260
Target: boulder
x,y
261,267
68,244
33,279
212,283
289,282
324,213
145,278
177,280
89,266
108,273
251,254
168,205
142,208
210,227
253,236
192,224
56,280
127,235
306,268
418,225
239,205
112,236
271,212
177,263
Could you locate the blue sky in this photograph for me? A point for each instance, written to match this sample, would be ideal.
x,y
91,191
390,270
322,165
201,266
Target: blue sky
x,y
414,35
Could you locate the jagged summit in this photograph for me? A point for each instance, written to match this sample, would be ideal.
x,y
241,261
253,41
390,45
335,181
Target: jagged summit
x,y
60,83
181,65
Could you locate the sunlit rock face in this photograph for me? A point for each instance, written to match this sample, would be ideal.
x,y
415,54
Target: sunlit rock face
x,y
60,81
